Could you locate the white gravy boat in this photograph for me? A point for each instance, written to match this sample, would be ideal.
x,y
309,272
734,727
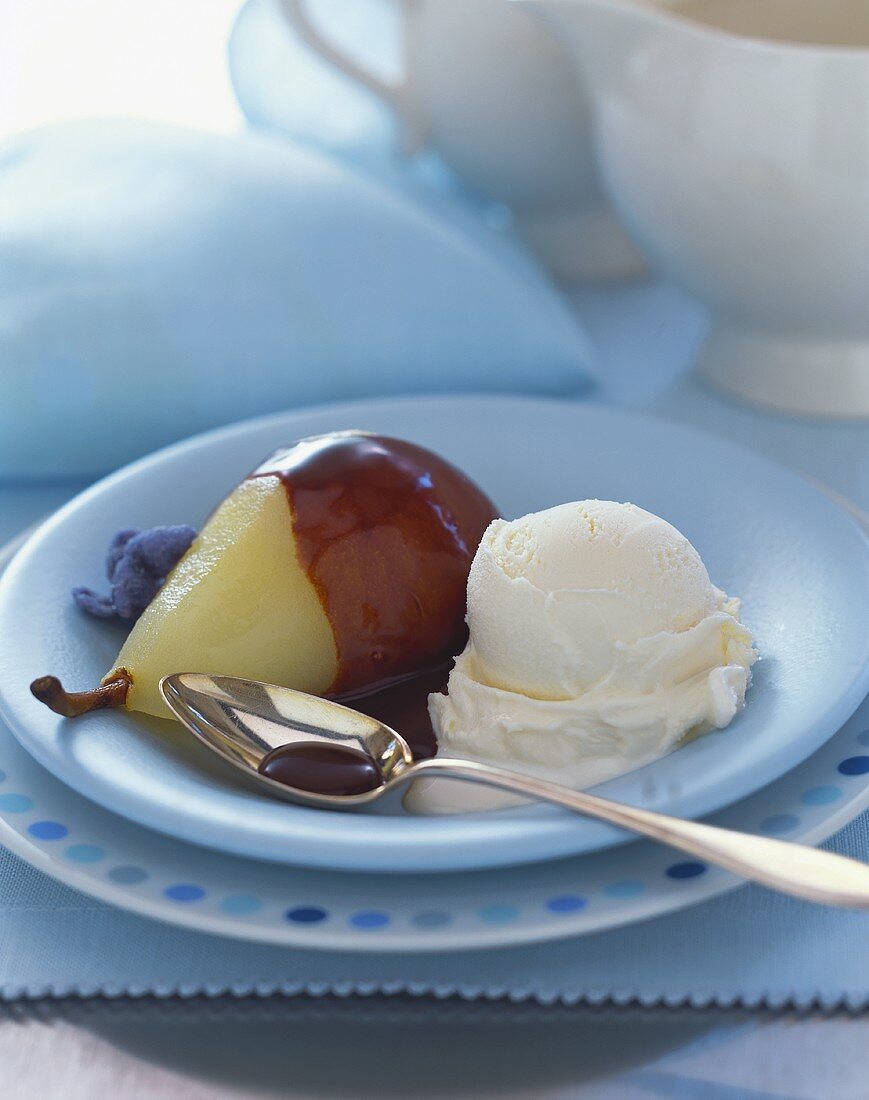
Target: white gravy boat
x,y
740,161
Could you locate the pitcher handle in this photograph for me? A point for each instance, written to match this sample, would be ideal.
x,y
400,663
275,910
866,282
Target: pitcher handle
x,y
394,94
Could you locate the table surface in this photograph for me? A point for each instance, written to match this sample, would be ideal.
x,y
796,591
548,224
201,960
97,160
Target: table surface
x,y
333,1048
198,1051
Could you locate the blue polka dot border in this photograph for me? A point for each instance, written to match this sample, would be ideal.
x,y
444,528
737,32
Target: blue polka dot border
x,y
689,868
566,903
85,853
779,824
370,919
184,892
47,830
854,765
240,905
624,890
11,802
306,914
126,875
821,796
431,918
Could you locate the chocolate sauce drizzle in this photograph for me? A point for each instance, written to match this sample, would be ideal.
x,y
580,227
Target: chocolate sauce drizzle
x,y
322,768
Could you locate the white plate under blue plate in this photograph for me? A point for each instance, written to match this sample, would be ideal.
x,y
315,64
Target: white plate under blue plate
x,y
799,562
85,846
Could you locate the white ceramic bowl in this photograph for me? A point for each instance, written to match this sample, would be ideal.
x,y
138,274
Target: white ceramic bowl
x,y
742,166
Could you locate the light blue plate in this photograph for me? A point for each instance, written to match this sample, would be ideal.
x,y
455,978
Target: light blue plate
x,y
798,561
85,846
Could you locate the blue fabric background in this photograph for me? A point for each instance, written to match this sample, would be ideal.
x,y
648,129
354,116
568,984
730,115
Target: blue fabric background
x,y
156,282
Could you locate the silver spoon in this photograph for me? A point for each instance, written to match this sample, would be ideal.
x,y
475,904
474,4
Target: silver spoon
x,y
242,721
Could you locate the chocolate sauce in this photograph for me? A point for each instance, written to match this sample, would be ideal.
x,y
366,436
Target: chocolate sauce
x,y
386,532
404,707
322,768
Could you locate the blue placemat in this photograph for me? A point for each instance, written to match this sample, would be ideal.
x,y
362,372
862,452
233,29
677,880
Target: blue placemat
x,y
748,948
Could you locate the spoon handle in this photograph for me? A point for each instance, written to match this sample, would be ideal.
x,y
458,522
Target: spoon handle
x,y
793,869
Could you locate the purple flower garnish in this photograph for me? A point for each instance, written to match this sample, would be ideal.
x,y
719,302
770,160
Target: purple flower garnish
x,y
137,563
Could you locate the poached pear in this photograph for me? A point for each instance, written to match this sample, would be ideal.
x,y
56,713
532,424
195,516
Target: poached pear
x,y
338,566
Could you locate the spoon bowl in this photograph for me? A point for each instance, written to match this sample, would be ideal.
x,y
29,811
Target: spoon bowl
x,y
243,721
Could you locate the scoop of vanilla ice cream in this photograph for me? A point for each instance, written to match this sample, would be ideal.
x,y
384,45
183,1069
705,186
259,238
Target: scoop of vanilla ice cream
x,y
551,595
597,644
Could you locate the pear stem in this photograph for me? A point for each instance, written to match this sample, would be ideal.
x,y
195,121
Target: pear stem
x,y
71,704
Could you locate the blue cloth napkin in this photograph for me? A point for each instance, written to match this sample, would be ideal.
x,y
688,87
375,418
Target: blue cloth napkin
x,y
156,281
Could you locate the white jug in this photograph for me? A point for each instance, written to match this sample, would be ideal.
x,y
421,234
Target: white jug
x,y
496,94
733,138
